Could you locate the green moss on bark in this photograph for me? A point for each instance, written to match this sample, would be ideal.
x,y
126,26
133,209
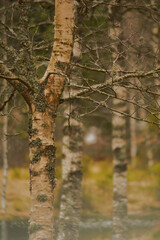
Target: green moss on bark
x,y
35,143
50,168
50,151
34,227
34,173
37,156
42,198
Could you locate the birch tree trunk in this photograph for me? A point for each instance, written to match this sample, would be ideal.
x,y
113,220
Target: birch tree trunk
x,y
134,31
71,182
119,143
120,170
42,125
70,204
43,97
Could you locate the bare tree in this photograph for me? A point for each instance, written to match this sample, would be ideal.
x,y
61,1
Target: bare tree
x,y
42,97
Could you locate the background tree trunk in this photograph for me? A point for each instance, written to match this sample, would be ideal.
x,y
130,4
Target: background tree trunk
x,y
70,204
119,136
5,129
120,171
5,160
71,182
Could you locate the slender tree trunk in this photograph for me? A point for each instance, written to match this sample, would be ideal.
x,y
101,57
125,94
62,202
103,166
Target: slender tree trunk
x,y
133,30
5,160
42,124
155,45
5,131
70,205
71,182
120,172
119,137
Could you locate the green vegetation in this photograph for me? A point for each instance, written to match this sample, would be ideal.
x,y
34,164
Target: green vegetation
x,y
96,188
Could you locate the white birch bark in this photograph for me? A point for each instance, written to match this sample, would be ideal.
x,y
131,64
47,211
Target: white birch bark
x,y
120,171
42,125
119,142
70,204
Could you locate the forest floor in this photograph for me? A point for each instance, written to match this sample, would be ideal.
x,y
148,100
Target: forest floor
x,y
143,190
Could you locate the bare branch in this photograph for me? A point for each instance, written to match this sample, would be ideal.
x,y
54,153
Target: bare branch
x,y
6,101
17,79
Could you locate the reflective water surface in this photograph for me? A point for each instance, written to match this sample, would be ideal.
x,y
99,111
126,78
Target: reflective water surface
x,y
140,228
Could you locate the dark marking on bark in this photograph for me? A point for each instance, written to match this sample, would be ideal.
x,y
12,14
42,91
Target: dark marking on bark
x,y
119,134
37,156
118,197
35,143
61,65
72,130
119,168
34,131
73,145
39,97
34,227
42,198
34,173
50,151
30,127
50,168
120,154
